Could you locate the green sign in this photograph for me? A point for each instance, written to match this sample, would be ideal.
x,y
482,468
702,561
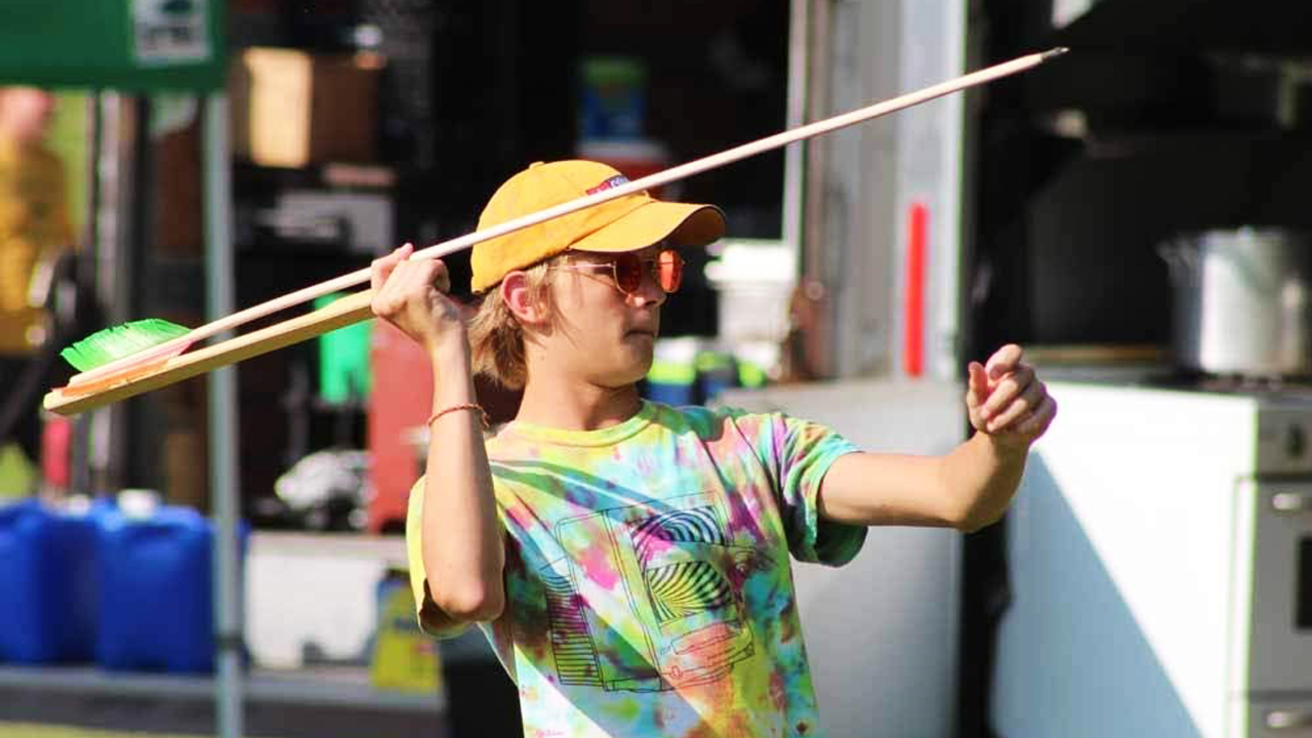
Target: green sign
x,y
129,45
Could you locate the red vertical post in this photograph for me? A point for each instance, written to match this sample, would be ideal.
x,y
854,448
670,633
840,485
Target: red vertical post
x,y
913,344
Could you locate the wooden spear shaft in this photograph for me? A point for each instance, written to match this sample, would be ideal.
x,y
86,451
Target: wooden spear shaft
x,y
138,373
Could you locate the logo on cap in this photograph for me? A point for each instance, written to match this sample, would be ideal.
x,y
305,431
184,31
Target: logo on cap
x,y
615,181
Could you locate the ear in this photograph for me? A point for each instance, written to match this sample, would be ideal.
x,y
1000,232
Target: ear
x,y
517,295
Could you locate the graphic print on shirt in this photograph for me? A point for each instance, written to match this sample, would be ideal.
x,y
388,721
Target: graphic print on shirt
x,y
648,597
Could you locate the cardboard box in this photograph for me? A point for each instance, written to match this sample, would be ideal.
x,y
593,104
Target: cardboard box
x,y
292,108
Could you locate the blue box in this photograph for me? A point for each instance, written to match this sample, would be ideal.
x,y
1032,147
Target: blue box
x,y
613,98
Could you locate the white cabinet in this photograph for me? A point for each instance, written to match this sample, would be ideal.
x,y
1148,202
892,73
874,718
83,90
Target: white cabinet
x,y
881,632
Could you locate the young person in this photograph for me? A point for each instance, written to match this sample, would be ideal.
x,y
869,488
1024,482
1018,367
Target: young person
x,y
629,561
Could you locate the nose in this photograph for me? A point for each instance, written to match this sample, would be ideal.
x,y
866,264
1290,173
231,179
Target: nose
x,y
649,290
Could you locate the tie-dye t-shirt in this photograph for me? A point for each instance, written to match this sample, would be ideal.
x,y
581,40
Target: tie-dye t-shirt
x,y
648,584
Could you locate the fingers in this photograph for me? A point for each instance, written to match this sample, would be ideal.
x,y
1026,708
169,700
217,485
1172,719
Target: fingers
x,y
1004,360
441,277
418,276
1006,399
1026,403
1037,423
410,273
1005,392
401,284
381,268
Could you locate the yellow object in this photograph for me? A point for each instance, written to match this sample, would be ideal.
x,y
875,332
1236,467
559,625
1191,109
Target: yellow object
x,y
624,224
23,331
34,224
18,477
404,657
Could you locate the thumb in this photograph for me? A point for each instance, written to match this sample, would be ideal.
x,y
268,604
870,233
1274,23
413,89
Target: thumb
x,y
977,384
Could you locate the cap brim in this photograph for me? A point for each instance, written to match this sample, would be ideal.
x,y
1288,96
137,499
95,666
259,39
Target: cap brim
x,y
684,223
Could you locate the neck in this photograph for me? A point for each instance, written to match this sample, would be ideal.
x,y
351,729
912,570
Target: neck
x,y
577,406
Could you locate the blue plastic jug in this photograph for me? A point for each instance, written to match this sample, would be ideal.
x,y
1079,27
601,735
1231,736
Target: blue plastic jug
x,y
50,576
156,602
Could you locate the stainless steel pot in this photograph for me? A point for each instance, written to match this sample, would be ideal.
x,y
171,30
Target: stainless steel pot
x,y
1241,301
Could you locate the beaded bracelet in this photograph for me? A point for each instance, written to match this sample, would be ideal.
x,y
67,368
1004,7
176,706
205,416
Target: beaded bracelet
x,y
466,406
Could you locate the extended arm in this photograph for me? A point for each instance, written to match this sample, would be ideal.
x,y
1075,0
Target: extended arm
x,y
968,488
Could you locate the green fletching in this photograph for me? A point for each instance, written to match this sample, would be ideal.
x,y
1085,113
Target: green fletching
x,y
100,348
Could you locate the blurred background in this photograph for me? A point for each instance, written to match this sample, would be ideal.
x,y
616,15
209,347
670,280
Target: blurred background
x,y
224,556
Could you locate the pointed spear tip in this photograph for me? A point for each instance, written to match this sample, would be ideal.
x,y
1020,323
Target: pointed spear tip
x,y
1054,53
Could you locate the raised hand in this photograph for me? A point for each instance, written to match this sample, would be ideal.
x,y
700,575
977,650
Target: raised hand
x,y
1006,400
412,295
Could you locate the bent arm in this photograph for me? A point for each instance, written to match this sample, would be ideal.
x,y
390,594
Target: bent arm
x,y
461,537
459,533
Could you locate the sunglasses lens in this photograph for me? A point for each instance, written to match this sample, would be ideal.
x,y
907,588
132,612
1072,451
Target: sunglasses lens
x,y
628,273
669,270
666,269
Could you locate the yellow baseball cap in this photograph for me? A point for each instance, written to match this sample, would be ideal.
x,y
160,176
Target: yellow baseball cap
x,y
626,223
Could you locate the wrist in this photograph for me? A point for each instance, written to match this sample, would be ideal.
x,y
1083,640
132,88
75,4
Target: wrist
x,y
450,358
471,407
454,340
1003,449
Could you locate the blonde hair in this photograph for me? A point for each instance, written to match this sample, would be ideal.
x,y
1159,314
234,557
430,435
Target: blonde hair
x,y
495,337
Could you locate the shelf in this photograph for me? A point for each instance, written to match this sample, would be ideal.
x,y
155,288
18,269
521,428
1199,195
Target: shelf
x,y
1272,26
388,550
309,703
336,686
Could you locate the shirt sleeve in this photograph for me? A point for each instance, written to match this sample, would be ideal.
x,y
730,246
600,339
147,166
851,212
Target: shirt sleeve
x,y
801,453
430,618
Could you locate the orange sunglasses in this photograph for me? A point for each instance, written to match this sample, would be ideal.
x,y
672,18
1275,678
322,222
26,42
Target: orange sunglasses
x,y
627,268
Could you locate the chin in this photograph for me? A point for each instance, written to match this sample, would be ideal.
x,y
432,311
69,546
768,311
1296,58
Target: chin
x,y
629,374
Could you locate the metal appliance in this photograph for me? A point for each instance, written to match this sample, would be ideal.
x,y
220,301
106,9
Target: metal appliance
x,y
1160,557
1243,301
